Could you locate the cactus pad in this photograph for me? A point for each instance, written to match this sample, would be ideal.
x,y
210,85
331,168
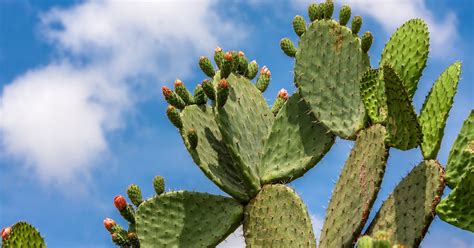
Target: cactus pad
x,y
403,130
373,96
407,52
329,66
458,208
296,143
23,235
356,189
245,121
187,219
409,210
461,156
277,217
210,153
435,110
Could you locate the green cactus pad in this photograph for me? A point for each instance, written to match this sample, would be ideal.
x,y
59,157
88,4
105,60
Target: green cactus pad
x,y
277,217
296,143
369,242
403,130
23,235
331,91
356,189
435,110
407,52
245,121
458,208
409,210
373,96
461,156
211,154
187,219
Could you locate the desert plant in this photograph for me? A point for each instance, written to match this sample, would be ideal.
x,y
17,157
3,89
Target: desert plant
x,y
251,151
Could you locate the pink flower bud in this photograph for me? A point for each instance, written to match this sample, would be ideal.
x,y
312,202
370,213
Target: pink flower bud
x,y
178,83
109,223
120,202
5,232
166,91
283,94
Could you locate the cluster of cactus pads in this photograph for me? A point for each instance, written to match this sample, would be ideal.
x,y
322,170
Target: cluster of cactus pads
x,y
251,150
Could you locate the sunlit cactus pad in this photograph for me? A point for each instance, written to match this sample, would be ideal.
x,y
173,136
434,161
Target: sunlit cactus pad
x,y
23,234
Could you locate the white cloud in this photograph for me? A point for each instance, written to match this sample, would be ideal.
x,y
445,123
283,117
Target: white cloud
x,y
108,54
393,13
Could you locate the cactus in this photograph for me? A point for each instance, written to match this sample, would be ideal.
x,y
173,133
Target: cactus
x,y
250,149
21,234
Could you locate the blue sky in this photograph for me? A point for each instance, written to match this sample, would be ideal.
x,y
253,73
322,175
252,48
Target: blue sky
x,y
82,116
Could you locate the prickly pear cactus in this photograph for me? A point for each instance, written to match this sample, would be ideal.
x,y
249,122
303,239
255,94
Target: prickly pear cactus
x,y
22,234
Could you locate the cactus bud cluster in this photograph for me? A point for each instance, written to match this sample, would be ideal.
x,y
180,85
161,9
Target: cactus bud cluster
x,y
222,92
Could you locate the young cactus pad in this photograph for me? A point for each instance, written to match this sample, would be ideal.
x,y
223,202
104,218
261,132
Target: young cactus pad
x,y
23,234
187,219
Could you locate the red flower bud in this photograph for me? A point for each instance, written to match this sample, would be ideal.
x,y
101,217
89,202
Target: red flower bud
x,y
5,232
120,202
265,70
228,56
177,83
109,223
283,94
166,91
223,83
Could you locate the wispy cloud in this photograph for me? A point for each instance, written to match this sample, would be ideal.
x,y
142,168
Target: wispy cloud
x,y
55,118
393,13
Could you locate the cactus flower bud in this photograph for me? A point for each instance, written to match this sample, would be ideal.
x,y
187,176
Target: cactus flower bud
x,y
218,57
328,9
242,63
192,138
282,97
172,98
283,94
199,95
263,79
344,14
159,185
5,232
227,65
252,70
288,47
120,202
366,41
209,89
135,194
222,92
312,11
356,24
133,239
206,66
183,92
174,117
109,224
299,25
